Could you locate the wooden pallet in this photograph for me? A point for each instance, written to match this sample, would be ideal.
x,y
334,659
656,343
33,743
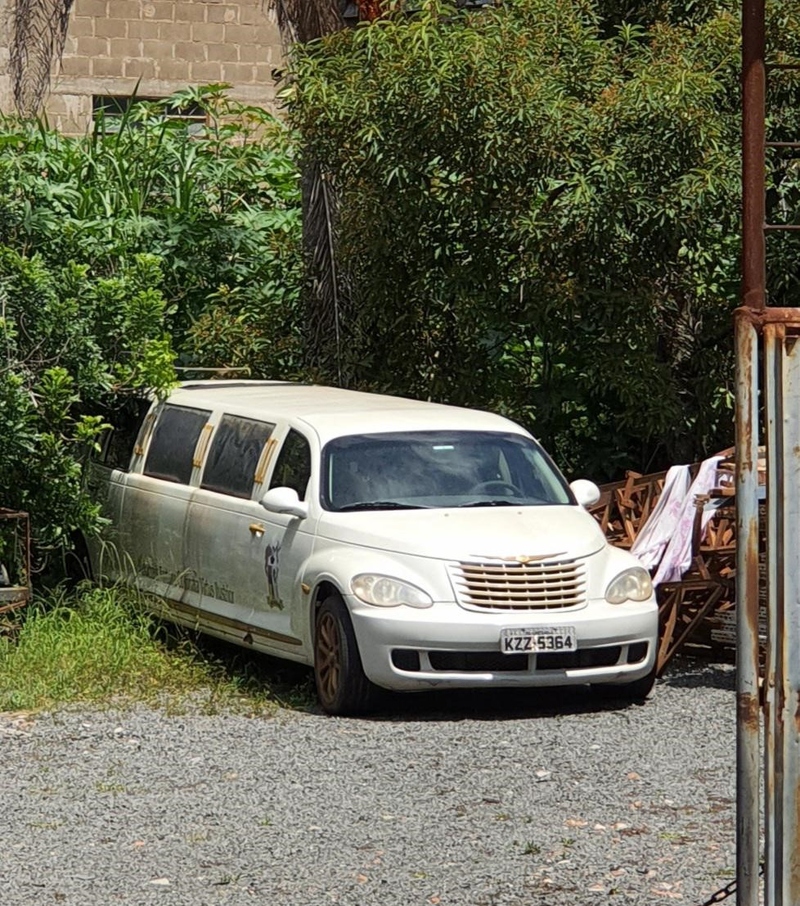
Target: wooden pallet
x,y
700,606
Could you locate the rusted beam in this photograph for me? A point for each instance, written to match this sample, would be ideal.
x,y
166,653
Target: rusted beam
x,y
753,162
747,600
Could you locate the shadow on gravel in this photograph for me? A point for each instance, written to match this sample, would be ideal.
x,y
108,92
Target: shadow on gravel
x,y
493,704
693,671
292,686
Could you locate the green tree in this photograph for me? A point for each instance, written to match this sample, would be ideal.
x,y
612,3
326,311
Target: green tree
x,y
539,212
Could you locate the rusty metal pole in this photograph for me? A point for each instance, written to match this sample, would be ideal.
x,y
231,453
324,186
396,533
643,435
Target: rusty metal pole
x,y
753,297
747,577
754,82
782,781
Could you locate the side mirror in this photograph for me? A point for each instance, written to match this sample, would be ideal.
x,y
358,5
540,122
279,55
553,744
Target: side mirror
x,y
586,492
286,501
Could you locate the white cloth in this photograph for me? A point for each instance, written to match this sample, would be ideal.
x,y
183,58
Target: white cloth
x,y
678,554
655,534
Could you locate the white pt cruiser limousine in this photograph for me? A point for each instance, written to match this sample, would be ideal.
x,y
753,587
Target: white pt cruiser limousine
x,y
387,542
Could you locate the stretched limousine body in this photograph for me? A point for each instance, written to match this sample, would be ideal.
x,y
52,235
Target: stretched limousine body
x,y
384,541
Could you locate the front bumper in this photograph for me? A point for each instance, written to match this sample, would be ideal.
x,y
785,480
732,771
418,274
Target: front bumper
x,y
404,648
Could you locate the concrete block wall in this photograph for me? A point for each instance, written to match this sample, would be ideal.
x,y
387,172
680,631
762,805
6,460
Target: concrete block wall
x,y
164,45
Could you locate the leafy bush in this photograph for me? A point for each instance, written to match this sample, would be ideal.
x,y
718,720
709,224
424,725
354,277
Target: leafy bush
x,y
219,205
73,348
119,251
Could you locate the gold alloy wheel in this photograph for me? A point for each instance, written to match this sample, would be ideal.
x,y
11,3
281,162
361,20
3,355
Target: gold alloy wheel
x,y
328,656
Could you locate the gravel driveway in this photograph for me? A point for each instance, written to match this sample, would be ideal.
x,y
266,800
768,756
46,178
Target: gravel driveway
x,y
458,800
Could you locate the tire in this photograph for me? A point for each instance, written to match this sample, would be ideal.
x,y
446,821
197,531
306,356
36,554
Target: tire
x,y
342,686
637,691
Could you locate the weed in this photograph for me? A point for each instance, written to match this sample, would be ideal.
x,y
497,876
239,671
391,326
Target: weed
x,y
227,879
531,849
103,786
197,837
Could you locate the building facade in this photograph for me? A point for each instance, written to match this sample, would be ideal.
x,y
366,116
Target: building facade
x,y
113,48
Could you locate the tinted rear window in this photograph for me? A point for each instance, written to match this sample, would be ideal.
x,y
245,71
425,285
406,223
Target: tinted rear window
x,y
234,455
174,440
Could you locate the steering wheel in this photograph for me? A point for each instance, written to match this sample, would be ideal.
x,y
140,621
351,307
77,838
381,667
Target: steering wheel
x,y
497,484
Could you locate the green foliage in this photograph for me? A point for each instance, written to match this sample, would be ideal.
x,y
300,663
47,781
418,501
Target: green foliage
x,y
539,212
217,204
91,648
101,645
64,366
120,250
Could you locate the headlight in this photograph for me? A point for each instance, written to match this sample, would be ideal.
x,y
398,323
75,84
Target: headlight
x,y
384,591
632,585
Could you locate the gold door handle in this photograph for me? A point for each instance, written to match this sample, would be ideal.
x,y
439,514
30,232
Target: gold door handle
x,y
256,528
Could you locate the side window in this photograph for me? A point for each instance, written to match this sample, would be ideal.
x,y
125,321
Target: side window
x,y
234,455
293,466
118,446
173,443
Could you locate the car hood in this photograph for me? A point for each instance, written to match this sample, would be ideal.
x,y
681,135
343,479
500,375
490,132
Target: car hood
x,y
469,533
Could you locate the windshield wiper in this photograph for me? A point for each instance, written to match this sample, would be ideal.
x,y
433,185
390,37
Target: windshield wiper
x,y
502,502
379,505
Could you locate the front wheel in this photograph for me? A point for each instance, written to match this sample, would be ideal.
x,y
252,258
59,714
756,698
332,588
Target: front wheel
x,y
342,686
637,691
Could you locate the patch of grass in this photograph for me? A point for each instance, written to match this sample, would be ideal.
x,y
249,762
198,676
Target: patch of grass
x,y
102,645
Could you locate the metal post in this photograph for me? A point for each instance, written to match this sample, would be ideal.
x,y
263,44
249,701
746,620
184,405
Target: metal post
x,y
753,296
754,81
782,807
773,818
747,575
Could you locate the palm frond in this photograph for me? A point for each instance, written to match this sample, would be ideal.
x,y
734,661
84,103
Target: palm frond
x,y
323,331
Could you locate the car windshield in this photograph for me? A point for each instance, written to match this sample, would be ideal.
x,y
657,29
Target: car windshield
x,y
423,469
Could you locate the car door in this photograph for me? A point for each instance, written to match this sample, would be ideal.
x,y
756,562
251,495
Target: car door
x,y
248,562
289,541
225,534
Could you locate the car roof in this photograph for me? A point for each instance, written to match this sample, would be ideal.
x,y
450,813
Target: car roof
x,y
333,411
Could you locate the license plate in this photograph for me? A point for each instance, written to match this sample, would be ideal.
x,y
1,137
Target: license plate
x,y
550,638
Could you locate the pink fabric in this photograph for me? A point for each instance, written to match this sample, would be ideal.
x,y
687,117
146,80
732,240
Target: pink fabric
x,y
654,536
678,554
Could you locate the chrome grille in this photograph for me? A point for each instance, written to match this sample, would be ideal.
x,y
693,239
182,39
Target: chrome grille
x,y
500,585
